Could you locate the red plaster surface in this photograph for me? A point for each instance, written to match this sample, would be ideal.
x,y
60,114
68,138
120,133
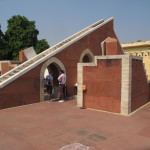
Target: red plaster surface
x,y
24,90
22,57
5,67
70,56
112,47
103,84
140,87
51,126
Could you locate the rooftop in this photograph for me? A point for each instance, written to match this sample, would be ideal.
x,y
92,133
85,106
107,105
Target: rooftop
x,y
136,44
52,126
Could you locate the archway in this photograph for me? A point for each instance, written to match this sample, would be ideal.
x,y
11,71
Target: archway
x,y
86,57
54,65
54,68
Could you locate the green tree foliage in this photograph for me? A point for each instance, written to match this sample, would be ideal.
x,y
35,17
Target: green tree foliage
x,y
41,46
20,34
3,46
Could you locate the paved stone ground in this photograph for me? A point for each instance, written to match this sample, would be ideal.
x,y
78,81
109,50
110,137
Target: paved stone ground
x,y
55,126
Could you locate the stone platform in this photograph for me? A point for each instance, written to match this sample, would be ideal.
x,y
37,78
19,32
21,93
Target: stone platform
x,y
64,126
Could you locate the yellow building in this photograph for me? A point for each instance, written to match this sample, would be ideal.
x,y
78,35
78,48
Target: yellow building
x,y
142,49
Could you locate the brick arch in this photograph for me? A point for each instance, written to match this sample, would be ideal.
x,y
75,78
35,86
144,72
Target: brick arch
x,y
88,53
44,66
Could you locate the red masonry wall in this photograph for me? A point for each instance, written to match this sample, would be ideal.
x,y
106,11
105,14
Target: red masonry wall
x,y
71,55
140,87
26,89
103,84
5,67
112,47
22,57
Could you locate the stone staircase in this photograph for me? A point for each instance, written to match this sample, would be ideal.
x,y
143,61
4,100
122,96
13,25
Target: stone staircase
x,y
28,65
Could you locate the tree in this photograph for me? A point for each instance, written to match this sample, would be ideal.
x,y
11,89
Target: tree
x,y
21,33
3,46
41,46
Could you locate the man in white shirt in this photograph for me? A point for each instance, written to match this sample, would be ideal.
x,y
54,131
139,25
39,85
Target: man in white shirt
x,y
62,85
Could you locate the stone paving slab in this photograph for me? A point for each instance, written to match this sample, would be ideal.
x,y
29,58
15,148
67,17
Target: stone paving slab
x,y
55,126
76,146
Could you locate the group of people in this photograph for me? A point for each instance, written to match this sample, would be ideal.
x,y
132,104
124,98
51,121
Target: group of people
x,y
62,85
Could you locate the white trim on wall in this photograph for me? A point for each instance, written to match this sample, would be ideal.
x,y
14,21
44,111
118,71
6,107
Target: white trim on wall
x,y
126,76
44,66
86,52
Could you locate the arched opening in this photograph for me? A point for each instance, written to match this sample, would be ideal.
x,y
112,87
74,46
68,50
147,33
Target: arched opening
x,y
86,57
54,68
53,65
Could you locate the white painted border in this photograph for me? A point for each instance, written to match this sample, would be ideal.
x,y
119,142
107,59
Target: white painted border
x,y
126,80
87,51
44,66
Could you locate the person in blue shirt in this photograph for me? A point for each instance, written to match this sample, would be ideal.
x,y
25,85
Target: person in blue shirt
x,y
49,85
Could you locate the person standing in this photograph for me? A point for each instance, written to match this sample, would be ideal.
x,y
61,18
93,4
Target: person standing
x,y
62,85
49,85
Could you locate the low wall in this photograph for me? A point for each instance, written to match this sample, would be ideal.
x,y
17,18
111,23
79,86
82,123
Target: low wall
x,y
7,65
24,90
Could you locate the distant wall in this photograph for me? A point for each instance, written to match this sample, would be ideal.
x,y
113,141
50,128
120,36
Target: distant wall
x,y
22,57
141,49
6,66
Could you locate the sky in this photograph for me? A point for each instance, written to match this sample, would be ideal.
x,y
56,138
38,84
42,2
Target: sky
x,y
59,19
